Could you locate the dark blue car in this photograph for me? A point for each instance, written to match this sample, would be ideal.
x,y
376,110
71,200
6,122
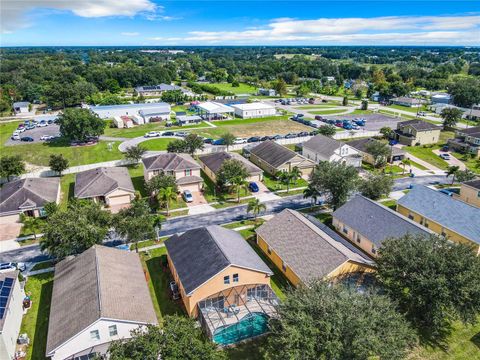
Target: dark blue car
x,y
219,142
253,187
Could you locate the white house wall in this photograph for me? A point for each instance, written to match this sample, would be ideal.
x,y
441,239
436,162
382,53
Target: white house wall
x,y
13,320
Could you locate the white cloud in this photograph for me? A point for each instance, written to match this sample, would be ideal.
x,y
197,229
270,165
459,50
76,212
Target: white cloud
x,y
130,33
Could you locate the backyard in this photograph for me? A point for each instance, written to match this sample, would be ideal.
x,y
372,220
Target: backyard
x,y
241,89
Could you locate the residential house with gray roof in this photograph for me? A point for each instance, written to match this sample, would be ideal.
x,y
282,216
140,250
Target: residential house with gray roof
x,y
324,148
98,297
212,163
466,141
362,146
417,132
367,223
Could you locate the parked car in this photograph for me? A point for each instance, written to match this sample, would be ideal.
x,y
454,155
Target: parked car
x,y
253,139
12,266
444,148
277,137
290,136
15,136
422,113
240,141
311,101
26,138
21,129
46,137
187,196
218,142
49,122
318,117
181,133
208,141
445,156
42,123
446,192
151,134
168,133
253,187
302,134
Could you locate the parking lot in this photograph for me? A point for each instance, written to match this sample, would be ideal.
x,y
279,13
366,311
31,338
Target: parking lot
x,y
374,122
36,134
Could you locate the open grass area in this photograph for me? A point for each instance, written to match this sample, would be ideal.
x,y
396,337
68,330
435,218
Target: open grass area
x,y
35,322
412,110
238,121
241,89
158,144
136,174
274,185
417,165
426,154
140,130
328,112
67,188
242,223
317,106
471,163
43,265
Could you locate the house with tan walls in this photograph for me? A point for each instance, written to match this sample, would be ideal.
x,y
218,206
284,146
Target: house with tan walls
x,y
182,166
305,249
417,132
222,282
361,145
470,192
323,148
212,163
367,223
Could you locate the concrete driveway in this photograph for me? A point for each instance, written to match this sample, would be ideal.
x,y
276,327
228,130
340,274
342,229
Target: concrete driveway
x,y
199,205
10,231
453,160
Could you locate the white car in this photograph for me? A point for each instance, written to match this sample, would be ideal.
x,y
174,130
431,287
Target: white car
x,y
20,130
15,136
240,141
42,123
152,134
46,137
187,196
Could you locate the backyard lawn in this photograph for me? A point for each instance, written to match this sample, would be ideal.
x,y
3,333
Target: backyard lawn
x,y
242,89
136,174
426,154
159,144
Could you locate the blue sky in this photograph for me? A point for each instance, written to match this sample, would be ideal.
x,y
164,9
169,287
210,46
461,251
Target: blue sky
x,y
152,22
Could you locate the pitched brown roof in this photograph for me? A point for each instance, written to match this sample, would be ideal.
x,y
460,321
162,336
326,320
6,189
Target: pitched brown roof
x,y
473,183
170,162
102,181
419,125
274,154
323,145
214,162
100,283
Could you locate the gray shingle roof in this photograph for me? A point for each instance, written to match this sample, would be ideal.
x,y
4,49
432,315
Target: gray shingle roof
x,y
361,145
375,221
31,193
419,125
323,145
310,249
102,181
273,153
453,214
473,183
473,131
170,162
199,254
102,282
215,160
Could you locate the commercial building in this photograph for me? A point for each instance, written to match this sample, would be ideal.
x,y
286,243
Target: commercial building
x,y
212,163
158,90
212,110
147,111
267,92
323,148
406,101
417,132
254,110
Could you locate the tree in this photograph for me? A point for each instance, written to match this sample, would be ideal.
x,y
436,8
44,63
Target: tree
x,y
465,175
287,177
134,153
379,151
177,146
345,101
161,181
165,196
238,183
405,162
334,180
434,281
311,192
75,229
465,91
80,124
452,170
193,142
386,132
230,170
228,139
364,105
327,130
179,338
30,224
374,186
58,163
135,223
451,116
12,165
50,208
280,86
325,321
255,207
235,83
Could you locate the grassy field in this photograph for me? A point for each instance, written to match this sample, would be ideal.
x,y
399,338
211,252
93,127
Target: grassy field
x,y
137,131
417,165
318,106
327,112
426,154
237,121
242,89
35,322
275,185
158,144
412,110
67,186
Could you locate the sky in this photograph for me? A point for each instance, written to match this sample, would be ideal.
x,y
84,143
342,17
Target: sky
x,y
228,22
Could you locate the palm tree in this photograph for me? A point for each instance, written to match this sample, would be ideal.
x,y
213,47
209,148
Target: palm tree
x,y
239,183
286,177
296,173
30,224
405,162
166,195
255,207
452,170
311,192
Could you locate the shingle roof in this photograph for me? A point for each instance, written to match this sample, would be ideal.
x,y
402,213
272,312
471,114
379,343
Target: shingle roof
x,y
19,195
273,153
102,181
215,160
473,183
199,254
311,249
419,125
102,282
375,221
170,162
323,145
361,145
189,180
473,131
405,99
445,210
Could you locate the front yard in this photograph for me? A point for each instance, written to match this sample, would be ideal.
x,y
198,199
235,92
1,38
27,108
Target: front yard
x,y
426,154
274,185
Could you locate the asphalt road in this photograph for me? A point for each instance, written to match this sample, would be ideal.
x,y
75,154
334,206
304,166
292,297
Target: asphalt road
x,y
33,253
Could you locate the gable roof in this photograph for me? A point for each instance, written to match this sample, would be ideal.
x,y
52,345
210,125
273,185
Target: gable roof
x,y
310,248
473,183
213,107
419,125
445,210
323,145
362,144
102,181
214,161
405,99
473,131
200,254
272,153
31,193
170,162
101,282
375,221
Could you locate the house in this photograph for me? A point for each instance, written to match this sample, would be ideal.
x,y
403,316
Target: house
x,y
441,98
222,282
267,92
323,148
417,132
11,312
367,223
212,110
472,114
185,169
406,101
28,197
442,214
156,90
211,164
156,109
21,107
305,249
375,96
159,112
188,119
470,192
98,297
273,158
466,141
361,145
109,186
254,110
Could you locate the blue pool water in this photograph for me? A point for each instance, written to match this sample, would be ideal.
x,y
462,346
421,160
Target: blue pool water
x,y
250,325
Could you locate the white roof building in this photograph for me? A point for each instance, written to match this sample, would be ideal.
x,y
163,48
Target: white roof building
x,y
110,111
214,110
254,110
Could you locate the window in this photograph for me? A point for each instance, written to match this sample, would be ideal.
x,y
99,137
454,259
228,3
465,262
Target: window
x,y
284,267
478,194
188,172
374,250
94,335
410,216
112,329
235,277
425,223
345,229
359,239
269,251
226,279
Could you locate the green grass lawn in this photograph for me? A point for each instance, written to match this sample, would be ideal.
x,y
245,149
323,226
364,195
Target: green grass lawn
x,y
274,185
249,350
242,223
238,121
137,131
392,204
35,322
43,265
317,106
38,228
470,163
159,144
412,110
327,112
242,89
136,174
426,154
67,188
417,165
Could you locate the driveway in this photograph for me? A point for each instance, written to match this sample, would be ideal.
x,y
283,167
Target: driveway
x,y
10,231
199,205
453,160
264,194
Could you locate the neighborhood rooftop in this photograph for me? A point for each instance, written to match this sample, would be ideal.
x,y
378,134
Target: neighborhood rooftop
x,y
310,248
170,162
375,221
419,125
100,283
453,214
273,153
474,184
102,181
322,144
199,254
214,161
362,144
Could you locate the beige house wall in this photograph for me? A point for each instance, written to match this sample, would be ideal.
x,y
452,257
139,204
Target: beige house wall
x,y
469,195
355,238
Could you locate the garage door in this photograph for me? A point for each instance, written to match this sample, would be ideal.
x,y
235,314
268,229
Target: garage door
x,y
255,178
119,200
191,187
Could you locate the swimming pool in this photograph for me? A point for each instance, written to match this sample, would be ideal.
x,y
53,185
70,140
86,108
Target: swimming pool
x,y
250,325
